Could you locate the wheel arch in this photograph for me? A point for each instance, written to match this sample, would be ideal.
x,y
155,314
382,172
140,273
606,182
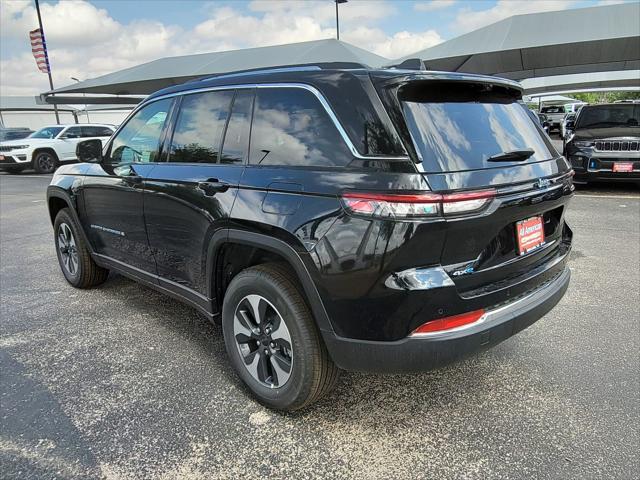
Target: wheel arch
x,y
57,199
38,150
264,248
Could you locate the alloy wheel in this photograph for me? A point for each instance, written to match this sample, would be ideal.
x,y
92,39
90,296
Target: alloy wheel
x,y
45,162
263,341
68,249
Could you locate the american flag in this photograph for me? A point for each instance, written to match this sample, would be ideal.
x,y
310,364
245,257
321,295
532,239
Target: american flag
x,y
39,50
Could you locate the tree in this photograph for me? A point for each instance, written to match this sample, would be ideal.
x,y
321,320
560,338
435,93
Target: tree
x,y
604,97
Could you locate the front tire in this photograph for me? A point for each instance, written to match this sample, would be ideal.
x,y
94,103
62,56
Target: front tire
x,y
272,340
74,258
45,162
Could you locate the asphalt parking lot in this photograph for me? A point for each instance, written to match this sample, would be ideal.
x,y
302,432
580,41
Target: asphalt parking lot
x,y
121,382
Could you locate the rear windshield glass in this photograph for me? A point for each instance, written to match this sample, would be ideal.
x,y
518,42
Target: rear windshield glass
x,y
609,116
453,136
552,110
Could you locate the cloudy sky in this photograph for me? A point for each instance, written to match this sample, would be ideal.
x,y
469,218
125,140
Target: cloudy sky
x,y
88,38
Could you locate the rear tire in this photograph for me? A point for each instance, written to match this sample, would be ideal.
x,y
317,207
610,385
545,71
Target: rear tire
x,y
74,258
272,339
45,162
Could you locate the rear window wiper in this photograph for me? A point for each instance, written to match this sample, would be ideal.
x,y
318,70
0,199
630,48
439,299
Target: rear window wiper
x,y
512,156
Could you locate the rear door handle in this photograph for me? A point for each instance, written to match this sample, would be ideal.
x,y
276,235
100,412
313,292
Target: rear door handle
x,y
212,186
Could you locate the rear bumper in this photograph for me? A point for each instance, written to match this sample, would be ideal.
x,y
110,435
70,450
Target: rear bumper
x,y
420,353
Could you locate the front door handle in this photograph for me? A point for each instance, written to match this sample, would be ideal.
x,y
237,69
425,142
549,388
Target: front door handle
x,y
212,186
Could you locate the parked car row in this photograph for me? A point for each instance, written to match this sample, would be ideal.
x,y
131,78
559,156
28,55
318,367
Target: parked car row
x,y
49,147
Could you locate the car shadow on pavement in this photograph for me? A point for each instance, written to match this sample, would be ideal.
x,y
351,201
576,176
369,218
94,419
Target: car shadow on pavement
x,y
357,395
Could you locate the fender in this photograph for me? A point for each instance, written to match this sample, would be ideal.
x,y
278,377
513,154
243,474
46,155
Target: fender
x,y
54,191
281,248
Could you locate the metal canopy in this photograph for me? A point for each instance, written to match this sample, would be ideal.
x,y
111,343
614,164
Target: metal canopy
x,y
595,39
29,104
584,81
149,77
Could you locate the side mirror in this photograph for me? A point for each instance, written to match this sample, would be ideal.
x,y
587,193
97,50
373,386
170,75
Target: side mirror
x,y
89,151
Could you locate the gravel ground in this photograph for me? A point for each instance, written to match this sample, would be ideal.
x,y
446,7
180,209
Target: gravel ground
x,y
121,382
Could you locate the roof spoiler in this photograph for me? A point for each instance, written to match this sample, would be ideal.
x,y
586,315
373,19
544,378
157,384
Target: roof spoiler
x,y
409,64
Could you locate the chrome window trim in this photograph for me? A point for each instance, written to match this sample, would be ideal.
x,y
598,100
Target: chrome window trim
x,y
323,101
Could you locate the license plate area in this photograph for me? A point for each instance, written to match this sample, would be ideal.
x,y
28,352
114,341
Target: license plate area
x,y
623,167
530,234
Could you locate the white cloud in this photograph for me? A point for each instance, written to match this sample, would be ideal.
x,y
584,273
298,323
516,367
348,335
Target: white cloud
x,y
395,46
433,5
85,41
468,19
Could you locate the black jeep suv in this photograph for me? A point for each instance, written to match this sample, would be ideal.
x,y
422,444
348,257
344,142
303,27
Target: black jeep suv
x,y
605,144
372,220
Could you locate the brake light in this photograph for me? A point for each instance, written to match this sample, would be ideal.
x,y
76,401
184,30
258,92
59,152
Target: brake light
x,y
448,323
416,205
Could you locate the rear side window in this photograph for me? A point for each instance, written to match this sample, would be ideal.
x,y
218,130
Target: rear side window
x,y
458,136
291,128
198,131
236,138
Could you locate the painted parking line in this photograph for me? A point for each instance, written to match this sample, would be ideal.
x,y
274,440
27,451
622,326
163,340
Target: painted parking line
x,y
587,195
26,176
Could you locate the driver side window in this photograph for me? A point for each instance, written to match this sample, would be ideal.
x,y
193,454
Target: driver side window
x,y
139,140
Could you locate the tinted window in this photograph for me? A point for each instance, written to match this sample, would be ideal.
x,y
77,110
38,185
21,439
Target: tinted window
x,y
462,136
199,127
236,138
290,127
96,131
73,132
139,139
609,116
559,109
14,134
47,132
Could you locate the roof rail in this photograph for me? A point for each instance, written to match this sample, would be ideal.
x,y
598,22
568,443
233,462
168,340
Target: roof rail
x,y
284,69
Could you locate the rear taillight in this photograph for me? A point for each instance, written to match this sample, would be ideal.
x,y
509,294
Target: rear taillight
x,y
417,205
449,323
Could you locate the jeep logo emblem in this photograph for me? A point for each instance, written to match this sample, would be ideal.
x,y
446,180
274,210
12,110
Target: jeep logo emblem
x,y
542,183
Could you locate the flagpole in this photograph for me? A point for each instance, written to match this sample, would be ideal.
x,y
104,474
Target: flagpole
x,y
55,107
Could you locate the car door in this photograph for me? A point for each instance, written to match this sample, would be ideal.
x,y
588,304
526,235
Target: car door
x,y
190,196
112,193
66,143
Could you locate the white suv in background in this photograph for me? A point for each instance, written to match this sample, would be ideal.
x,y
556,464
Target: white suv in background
x,y
50,146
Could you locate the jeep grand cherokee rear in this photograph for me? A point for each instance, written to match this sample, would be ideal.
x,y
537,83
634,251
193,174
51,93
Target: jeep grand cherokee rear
x,y
384,220
474,254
